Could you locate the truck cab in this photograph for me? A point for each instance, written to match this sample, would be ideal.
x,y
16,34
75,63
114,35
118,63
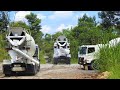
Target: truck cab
x,y
86,55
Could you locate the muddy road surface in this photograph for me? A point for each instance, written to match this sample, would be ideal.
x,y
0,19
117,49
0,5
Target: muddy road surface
x,y
50,71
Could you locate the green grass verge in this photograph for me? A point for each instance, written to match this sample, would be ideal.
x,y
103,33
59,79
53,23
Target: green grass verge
x,y
109,60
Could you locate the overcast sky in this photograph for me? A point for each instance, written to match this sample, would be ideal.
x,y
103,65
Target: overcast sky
x,y
53,21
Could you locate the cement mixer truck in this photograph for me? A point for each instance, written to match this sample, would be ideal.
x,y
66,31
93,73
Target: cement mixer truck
x,y
23,51
61,50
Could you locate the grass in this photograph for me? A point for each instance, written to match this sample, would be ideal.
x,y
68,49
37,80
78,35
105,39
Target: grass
x,y
42,59
109,60
3,52
115,72
74,61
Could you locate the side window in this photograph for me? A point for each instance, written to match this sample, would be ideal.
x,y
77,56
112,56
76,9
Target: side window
x,y
91,50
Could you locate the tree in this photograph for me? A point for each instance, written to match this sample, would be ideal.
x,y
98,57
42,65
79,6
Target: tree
x,y
34,26
48,37
4,20
34,22
110,19
85,31
57,34
85,20
19,24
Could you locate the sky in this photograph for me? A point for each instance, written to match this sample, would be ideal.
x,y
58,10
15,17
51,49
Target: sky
x,y
53,21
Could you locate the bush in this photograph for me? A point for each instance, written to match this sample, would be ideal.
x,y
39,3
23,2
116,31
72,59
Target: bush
x,y
41,56
3,52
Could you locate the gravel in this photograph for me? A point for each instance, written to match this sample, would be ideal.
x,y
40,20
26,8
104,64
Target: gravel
x,y
60,71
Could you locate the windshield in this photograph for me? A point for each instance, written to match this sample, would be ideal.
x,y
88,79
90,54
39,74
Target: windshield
x,y
83,50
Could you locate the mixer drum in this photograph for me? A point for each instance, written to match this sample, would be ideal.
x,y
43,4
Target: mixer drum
x,y
17,36
30,43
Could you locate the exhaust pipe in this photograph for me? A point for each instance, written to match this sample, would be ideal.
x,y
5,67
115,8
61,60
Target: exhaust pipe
x,y
25,55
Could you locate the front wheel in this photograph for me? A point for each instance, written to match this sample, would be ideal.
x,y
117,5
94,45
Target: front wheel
x,y
68,61
7,70
31,69
55,61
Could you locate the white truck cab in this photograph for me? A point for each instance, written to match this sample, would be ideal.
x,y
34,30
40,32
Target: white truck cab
x,y
86,55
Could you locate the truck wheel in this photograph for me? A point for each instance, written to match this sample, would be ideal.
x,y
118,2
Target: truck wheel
x,y
55,61
7,70
35,69
90,67
31,69
68,61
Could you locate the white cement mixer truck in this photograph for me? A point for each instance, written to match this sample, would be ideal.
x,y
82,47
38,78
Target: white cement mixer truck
x,y
61,50
23,51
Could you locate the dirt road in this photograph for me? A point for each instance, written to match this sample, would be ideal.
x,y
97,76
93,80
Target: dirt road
x,y
50,71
